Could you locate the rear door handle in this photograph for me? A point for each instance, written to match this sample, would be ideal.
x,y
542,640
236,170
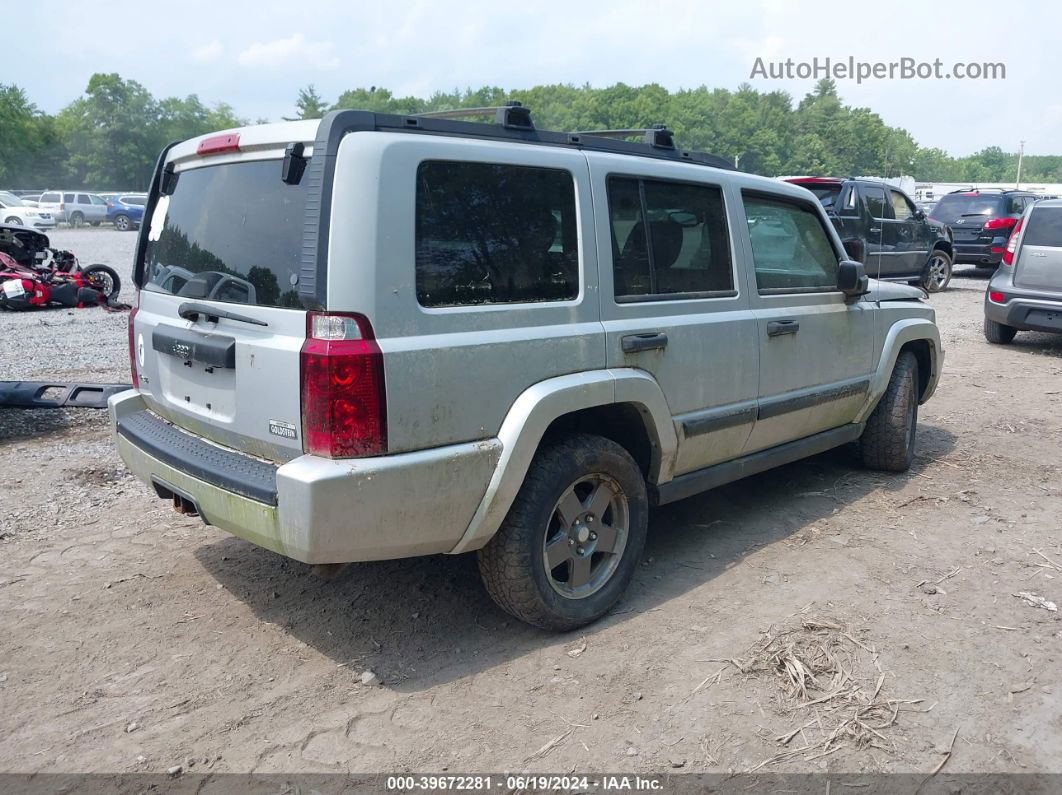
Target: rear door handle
x,y
644,342
777,328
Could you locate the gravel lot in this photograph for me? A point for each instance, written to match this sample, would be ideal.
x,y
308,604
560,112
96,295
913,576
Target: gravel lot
x,y
136,639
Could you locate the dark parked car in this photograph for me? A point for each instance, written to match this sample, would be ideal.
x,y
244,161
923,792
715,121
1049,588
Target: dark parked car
x,y
126,211
1025,293
899,242
981,221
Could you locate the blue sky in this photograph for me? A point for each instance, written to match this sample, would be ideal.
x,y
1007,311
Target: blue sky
x,y
257,55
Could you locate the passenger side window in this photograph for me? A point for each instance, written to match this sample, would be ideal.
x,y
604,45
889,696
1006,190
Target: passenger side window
x,y
490,233
669,240
791,249
902,210
876,202
96,199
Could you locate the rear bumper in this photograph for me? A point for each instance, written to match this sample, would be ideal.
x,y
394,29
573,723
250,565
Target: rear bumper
x,y
1027,311
312,509
979,253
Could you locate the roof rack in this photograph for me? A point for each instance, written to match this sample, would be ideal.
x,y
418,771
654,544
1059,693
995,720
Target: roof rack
x,y
972,189
512,115
658,135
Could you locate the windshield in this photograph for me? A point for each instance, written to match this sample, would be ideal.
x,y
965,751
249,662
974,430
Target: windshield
x,y
228,233
955,206
11,200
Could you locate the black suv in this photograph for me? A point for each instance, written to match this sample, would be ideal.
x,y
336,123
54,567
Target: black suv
x,y
898,242
981,221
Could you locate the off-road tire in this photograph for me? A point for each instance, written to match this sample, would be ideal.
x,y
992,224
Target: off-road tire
x,y
511,564
888,440
999,333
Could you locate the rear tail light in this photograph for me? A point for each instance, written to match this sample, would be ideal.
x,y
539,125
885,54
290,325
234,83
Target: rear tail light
x,y
1000,223
132,349
343,397
997,297
1012,245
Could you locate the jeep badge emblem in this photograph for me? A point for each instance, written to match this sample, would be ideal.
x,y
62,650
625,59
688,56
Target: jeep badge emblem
x,y
285,429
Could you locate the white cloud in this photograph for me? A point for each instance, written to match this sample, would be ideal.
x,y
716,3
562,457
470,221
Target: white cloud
x,y
294,50
208,52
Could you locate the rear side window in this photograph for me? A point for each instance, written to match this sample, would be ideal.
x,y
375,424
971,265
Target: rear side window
x,y
136,201
228,233
876,202
790,246
490,233
1045,228
669,239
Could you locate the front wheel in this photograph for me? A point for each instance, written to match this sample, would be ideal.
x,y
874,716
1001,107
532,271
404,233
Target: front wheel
x,y
888,440
572,539
937,273
103,279
999,333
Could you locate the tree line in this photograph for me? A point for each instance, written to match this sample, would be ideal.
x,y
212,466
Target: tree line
x,y
109,137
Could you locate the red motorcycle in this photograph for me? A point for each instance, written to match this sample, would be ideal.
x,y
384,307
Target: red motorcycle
x,y
33,274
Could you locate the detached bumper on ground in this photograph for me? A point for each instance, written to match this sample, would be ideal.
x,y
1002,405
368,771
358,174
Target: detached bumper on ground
x,y
312,509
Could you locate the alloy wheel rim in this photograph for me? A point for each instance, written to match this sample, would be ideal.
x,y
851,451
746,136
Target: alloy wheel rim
x,y
585,536
937,273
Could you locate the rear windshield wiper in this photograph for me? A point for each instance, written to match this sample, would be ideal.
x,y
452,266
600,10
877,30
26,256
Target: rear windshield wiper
x,y
191,311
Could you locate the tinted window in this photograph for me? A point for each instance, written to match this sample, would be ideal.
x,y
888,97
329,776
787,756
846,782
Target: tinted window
x,y
876,202
902,210
490,233
673,242
1016,205
1045,227
964,205
790,247
826,194
848,205
82,198
68,197
136,201
228,233
49,197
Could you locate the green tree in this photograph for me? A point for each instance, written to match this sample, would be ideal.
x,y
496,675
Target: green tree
x,y
309,105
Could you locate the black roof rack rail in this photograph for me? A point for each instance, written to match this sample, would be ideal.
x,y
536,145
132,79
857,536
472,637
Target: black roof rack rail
x,y
513,124
512,115
658,135
972,189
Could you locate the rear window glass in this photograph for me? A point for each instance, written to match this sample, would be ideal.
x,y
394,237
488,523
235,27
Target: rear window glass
x,y
49,197
490,233
826,194
1045,227
956,205
228,233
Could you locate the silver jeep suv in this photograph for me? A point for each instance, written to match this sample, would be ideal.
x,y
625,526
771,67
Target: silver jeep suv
x,y
380,336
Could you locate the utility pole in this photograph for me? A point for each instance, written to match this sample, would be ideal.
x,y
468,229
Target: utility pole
x,y
1021,153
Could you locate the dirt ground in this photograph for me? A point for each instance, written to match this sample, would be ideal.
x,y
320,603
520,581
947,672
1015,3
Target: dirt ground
x,y
135,639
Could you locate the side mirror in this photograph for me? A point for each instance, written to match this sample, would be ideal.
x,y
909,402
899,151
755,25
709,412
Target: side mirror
x,y
856,249
920,215
852,278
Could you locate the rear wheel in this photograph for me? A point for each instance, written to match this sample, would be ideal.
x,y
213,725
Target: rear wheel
x,y
937,273
95,223
14,220
572,539
888,441
122,223
999,333
103,279
77,219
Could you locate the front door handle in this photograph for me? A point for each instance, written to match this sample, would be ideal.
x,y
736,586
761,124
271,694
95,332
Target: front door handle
x,y
644,342
777,328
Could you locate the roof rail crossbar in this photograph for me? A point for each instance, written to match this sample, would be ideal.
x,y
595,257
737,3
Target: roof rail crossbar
x,y
658,135
512,115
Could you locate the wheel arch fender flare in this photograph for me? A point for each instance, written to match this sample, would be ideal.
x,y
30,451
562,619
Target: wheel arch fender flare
x,y
531,415
900,334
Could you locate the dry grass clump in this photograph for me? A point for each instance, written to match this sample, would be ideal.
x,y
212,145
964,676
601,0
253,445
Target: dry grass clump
x,y
820,669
